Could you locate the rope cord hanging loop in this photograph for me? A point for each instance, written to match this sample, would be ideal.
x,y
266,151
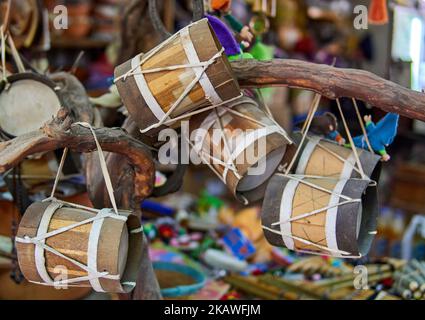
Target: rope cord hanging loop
x,y
103,167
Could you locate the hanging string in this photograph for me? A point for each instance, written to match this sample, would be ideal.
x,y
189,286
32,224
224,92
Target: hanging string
x,y
362,125
3,54
310,110
19,64
103,167
309,120
350,138
59,172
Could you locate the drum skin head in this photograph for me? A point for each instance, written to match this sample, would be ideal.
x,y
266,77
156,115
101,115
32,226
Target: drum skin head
x,y
26,104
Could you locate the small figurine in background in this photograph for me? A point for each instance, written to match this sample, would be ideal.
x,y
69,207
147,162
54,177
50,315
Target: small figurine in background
x,y
231,47
380,135
326,125
221,8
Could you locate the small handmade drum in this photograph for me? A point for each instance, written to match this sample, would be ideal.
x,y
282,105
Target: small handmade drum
x,y
63,244
186,72
335,217
25,20
240,143
27,102
321,157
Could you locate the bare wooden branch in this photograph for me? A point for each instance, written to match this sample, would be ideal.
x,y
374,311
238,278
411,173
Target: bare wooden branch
x,y
59,133
332,83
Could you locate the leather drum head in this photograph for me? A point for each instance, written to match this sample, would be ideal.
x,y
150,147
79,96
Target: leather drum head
x,y
26,105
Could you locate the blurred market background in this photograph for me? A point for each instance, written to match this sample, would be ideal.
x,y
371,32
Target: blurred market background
x,y
219,242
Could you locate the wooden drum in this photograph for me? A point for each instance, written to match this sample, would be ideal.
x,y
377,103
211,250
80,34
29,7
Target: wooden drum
x,y
241,144
321,157
101,250
27,102
172,75
336,217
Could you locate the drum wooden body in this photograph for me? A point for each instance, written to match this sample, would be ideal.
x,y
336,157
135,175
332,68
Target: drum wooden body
x,y
149,96
105,245
234,139
27,103
321,157
342,229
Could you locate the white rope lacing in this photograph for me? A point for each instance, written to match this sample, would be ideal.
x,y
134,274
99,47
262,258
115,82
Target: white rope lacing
x,y
350,138
40,239
3,53
359,117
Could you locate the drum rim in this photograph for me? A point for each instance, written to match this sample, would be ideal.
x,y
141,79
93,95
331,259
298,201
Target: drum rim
x,y
35,77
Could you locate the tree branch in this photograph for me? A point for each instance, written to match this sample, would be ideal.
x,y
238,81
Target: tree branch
x,y
59,133
332,83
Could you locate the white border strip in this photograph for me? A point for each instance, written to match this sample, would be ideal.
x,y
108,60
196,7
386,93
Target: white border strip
x,y
92,251
193,58
40,261
144,89
305,156
348,168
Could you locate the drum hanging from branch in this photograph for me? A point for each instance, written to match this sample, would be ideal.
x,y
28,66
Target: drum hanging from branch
x,y
188,71
321,157
336,217
241,144
61,244
27,102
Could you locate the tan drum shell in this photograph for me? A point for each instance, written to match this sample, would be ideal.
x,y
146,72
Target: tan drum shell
x,y
167,86
349,227
112,246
